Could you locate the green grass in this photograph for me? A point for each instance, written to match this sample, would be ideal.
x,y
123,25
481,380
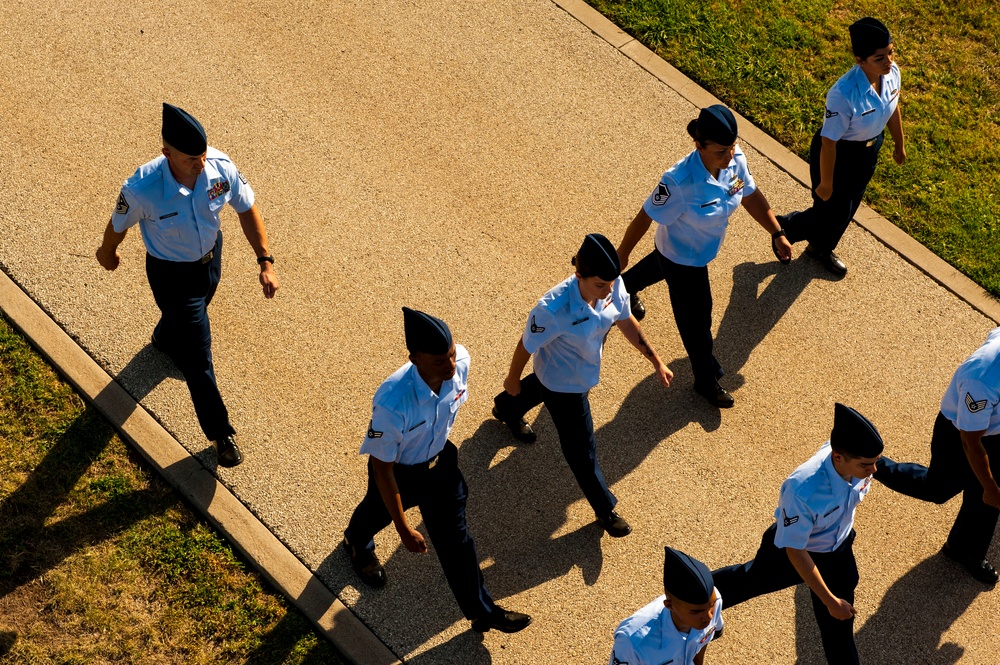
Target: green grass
x,y
773,61
101,562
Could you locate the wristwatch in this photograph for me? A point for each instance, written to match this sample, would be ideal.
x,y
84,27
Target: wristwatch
x,y
266,258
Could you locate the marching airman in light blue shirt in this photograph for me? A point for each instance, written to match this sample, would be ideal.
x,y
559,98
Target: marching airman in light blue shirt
x,y
855,111
692,207
566,335
565,332
178,223
410,422
844,152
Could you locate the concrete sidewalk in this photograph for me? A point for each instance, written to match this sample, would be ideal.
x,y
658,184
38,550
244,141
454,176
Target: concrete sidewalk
x,y
450,156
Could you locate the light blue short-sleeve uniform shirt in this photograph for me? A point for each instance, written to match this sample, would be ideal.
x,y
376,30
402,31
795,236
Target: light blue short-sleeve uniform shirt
x,y
179,224
816,506
566,335
692,207
972,400
410,422
649,637
855,111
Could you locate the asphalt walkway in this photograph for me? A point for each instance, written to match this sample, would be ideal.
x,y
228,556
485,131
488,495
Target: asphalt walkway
x,y
450,156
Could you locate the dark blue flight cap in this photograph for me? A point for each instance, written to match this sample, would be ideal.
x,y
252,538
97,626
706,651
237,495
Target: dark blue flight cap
x,y
182,131
867,36
685,578
425,333
854,434
598,257
717,123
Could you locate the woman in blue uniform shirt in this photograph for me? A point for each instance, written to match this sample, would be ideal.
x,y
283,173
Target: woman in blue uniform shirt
x,y
691,205
566,331
844,152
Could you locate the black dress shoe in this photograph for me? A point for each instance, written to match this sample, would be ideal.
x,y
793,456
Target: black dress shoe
x,y
366,565
502,620
638,309
229,454
519,428
982,570
615,525
829,260
716,395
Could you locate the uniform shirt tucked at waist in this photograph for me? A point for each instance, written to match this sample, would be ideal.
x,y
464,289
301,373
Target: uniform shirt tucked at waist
x,y
410,422
972,400
566,335
816,505
855,111
179,224
649,637
692,207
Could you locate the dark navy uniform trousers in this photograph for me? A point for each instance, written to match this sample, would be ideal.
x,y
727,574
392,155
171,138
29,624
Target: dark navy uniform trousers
x,y
691,301
571,414
438,488
772,570
948,474
825,222
182,291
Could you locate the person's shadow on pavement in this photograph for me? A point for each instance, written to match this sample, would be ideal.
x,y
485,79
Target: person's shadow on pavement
x,y
519,493
914,614
750,316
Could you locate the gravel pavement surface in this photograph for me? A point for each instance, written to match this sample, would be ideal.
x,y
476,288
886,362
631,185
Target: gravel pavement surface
x,y
450,156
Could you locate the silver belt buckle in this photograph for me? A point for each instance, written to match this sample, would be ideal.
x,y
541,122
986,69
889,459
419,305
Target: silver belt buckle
x,y
871,142
208,257
433,462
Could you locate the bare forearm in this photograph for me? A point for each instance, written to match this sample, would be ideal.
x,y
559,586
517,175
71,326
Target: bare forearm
x,y
895,126
519,360
758,207
254,230
972,442
633,234
636,337
385,478
807,570
699,658
827,161
112,238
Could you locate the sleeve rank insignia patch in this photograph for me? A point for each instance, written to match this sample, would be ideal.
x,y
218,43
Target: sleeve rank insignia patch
x,y
372,434
122,206
534,328
973,405
789,521
831,114
661,195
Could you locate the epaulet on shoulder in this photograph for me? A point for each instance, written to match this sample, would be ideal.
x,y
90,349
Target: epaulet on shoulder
x,y
804,488
146,175
391,392
218,155
556,297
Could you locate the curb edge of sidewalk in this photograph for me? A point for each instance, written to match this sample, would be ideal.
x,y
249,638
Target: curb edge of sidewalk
x,y
884,231
206,493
